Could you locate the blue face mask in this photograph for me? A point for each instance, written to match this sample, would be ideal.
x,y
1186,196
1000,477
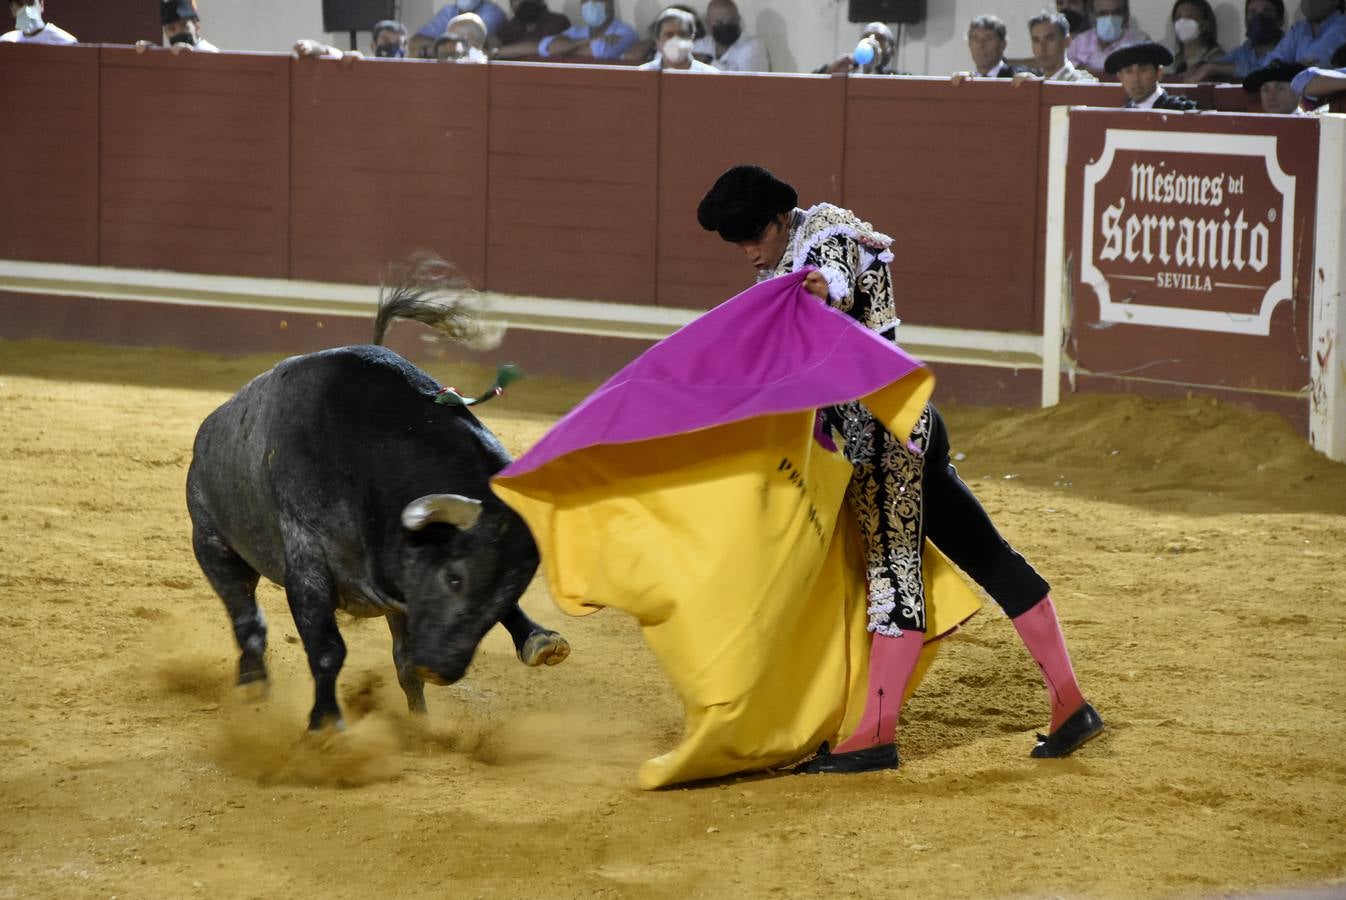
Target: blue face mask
x,y
594,12
390,51
1109,28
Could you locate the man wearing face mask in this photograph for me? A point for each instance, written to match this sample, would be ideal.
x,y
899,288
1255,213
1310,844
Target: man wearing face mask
x,y
29,27
726,47
1264,25
388,40
532,22
182,28
673,33
1312,42
602,36
1076,13
1112,30
423,41
463,41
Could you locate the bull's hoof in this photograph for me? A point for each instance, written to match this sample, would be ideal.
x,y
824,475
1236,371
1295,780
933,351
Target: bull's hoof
x,y
544,648
254,691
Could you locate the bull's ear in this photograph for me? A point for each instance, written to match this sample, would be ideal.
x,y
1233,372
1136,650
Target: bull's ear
x,y
451,509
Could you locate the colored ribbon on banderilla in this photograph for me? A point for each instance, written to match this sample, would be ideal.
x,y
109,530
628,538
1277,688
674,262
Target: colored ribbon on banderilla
x,y
505,374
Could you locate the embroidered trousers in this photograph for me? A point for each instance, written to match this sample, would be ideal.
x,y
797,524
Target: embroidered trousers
x,y
903,493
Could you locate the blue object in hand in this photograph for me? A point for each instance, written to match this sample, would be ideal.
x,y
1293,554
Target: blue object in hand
x,y
864,53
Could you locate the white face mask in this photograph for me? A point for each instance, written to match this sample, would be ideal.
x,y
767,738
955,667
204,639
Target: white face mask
x,y
29,19
1186,29
1109,28
676,50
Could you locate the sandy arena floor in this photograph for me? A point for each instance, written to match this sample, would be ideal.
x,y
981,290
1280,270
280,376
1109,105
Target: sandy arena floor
x,y
1196,553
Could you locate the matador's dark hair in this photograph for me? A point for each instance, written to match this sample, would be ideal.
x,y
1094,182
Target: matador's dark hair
x,y
743,201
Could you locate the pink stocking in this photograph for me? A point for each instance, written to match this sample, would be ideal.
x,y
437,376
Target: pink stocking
x,y
1041,634
891,662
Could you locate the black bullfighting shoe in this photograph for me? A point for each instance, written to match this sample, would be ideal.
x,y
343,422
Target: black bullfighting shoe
x,y
1084,725
869,759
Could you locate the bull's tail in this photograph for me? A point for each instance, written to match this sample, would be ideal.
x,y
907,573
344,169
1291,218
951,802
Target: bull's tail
x,y
433,292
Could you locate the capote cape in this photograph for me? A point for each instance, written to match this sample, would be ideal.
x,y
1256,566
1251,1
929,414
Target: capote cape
x,y
691,491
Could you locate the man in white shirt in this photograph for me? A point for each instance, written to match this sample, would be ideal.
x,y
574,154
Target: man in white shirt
x,y
726,47
182,28
673,33
463,40
1049,34
29,27
1139,68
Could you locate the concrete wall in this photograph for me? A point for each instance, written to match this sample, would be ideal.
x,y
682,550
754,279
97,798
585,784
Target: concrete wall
x,y
801,34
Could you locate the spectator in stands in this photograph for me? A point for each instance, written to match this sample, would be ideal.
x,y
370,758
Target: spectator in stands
x,y
1273,85
726,47
986,41
1263,27
424,39
182,28
1196,43
1139,68
532,22
701,31
29,27
602,36
674,34
876,54
1049,34
1112,30
1315,85
463,40
1313,41
1076,13
646,49
387,40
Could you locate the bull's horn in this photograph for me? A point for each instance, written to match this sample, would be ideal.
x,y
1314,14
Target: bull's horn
x,y
452,509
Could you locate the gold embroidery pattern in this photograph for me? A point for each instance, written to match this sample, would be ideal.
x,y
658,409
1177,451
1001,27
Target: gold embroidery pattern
x,y
885,490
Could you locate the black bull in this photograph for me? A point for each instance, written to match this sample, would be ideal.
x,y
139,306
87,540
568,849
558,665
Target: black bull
x,y
336,475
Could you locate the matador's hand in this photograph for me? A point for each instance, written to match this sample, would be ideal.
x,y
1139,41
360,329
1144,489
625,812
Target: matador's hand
x,y
816,284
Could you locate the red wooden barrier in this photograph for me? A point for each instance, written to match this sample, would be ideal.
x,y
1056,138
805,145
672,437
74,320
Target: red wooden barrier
x,y
791,125
950,170
386,158
49,154
572,182
195,162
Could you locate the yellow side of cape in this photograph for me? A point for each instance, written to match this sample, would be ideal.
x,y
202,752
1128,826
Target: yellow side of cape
x,y
735,549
